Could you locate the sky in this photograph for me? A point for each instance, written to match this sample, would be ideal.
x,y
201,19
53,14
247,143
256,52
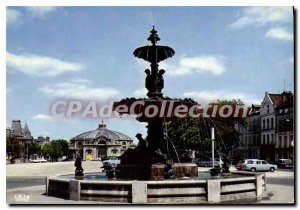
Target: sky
x,y
86,53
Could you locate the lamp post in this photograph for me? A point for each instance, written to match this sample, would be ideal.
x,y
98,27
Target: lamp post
x,y
292,144
213,146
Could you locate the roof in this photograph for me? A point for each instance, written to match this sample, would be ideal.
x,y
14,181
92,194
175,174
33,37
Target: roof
x,y
26,132
283,99
276,99
16,127
101,131
254,110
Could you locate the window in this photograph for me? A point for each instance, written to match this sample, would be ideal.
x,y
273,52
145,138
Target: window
x,y
267,138
263,124
272,122
272,138
264,139
258,162
286,110
264,162
279,141
285,141
250,162
268,126
268,109
280,111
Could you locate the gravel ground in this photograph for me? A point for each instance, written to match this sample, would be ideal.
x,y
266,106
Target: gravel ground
x,y
50,169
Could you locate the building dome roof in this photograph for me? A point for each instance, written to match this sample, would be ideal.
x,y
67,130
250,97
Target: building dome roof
x,y
101,131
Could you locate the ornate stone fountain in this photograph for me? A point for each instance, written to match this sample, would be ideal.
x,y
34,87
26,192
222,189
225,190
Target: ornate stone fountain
x,y
149,160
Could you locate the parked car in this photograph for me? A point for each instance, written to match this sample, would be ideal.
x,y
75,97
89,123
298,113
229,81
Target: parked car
x,y
259,165
284,163
96,159
39,160
239,166
111,163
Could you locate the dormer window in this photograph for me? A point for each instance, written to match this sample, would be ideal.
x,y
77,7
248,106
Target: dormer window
x,y
268,109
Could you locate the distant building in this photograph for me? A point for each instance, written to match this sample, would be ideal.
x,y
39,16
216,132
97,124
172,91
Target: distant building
x,y
22,134
250,138
42,140
99,143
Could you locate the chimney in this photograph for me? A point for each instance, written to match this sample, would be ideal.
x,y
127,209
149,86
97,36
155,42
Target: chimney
x,y
284,96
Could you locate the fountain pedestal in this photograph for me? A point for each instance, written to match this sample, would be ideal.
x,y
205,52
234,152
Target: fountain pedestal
x,y
140,172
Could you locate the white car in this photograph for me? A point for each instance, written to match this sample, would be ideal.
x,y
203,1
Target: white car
x,y
259,165
40,160
112,162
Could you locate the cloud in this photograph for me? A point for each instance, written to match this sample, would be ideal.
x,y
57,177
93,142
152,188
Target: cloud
x,y
263,15
76,89
12,16
41,11
48,118
280,33
140,93
198,64
213,95
38,65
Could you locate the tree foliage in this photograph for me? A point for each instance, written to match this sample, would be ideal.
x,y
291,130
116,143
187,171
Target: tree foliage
x,y
34,148
13,147
195,133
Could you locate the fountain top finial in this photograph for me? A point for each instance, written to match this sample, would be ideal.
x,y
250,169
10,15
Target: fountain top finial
x,y
154,38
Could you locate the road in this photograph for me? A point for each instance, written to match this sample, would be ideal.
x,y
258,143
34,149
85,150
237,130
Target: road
x,y
22,181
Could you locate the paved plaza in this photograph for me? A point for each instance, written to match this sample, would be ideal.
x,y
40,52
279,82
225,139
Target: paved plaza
x,y
26,183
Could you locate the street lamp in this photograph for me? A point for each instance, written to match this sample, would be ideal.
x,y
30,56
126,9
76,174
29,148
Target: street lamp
x,y
213,146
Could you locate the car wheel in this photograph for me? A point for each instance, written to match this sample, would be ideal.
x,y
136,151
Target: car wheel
x,y
113,165
272,169
253,169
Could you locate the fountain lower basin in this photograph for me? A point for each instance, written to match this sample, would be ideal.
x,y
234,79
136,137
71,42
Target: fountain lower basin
x,y
201,189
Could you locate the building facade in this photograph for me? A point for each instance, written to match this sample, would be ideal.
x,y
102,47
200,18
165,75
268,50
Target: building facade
x,y
99,143
268,132
250,134
268,126
285,128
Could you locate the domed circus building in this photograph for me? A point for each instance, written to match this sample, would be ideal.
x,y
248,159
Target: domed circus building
x,y
99,143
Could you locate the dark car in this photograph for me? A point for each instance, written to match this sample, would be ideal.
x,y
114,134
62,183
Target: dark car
x,y
284,163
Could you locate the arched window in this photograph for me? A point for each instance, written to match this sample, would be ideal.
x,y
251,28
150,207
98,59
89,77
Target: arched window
x,y
102,142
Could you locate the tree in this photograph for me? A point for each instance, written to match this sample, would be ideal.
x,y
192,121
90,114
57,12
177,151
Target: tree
x,y
64,146
56,149
46,150
13,147
34,148
195,133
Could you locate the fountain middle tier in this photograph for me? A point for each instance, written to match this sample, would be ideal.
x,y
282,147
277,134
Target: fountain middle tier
x,y
160,109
